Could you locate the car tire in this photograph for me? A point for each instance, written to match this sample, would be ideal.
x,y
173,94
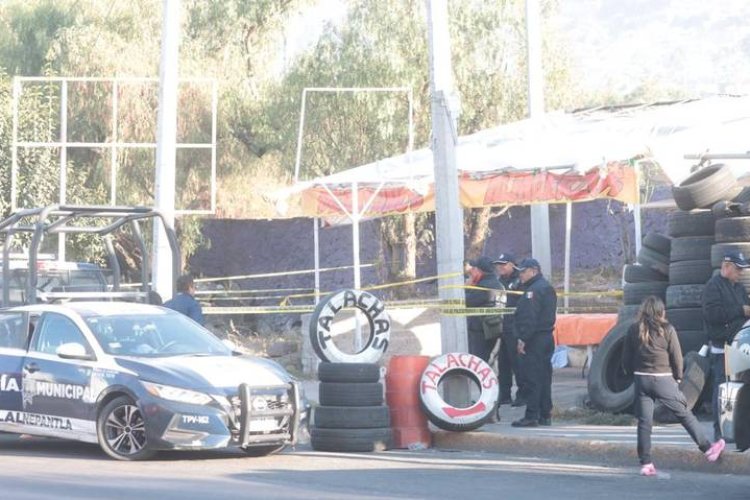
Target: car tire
x,y
351,440
263,451
694,223
690,272
719,250
686,318
658,242
447,416
348,372
636,273
681,296
112,423
634,293
377,318
705,187
350,394
733,229
653,259
351,417
691,248
610,388
694,379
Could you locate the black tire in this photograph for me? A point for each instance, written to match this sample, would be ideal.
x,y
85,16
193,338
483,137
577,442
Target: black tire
x,y
636,273
610,388
695,223
742,426
377,319
694,378
719,250
348,394
680,296
351,440
691,248
690,272
627,313
733,229
121,430
348,372
685,318
705,187
726,208
654,260
634,293
263,451
658,242
691,340
351,417
743,196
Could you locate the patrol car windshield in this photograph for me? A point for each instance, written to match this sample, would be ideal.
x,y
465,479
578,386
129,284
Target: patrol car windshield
x,y
153,335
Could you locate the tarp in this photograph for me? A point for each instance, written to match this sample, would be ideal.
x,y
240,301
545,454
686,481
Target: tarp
x,y
558,158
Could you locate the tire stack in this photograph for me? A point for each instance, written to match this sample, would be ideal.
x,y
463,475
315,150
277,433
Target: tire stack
x,y
675,269
351,416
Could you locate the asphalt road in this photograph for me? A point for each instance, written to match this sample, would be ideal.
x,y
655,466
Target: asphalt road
x,y
47,469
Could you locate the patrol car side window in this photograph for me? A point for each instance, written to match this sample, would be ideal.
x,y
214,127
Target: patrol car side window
x,y
13,331
55,330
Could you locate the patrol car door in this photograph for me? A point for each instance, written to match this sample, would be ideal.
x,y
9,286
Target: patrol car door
x,y
14,333
56,391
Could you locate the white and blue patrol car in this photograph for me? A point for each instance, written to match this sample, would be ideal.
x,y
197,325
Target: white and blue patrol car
x,y
136,379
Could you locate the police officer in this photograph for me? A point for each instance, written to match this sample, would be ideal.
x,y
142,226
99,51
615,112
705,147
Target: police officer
x,y
481,291
534,321
507,361
725,309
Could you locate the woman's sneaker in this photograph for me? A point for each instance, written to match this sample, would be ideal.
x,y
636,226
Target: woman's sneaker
x,y
648,470
714,452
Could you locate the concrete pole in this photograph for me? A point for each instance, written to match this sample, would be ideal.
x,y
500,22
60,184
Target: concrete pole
x,y
166,140
540,240
448,211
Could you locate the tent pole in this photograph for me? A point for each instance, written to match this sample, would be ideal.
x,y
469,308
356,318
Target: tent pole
x,y
316,242
568,226
637,210
355,251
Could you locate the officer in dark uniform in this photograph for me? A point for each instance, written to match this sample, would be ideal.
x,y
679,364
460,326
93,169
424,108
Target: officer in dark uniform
x,y
534,322
507,360
481,291
725,309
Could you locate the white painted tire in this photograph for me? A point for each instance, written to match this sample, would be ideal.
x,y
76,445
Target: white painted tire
x,y
449,417
322,318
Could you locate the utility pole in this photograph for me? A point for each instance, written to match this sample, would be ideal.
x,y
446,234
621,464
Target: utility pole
x,y
166,140
448,211
540,241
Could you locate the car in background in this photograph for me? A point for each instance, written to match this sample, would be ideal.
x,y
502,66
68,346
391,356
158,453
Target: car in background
x,y
54,277
136,379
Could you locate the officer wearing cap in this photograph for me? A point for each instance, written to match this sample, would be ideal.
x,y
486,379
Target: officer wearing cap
x,y
481,292
726,307
533,323
507,361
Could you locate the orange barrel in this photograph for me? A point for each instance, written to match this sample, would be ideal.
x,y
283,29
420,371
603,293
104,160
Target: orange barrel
x,y
408,421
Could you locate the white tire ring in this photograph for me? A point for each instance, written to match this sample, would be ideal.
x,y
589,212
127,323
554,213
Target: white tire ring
x,y
450,417
322,318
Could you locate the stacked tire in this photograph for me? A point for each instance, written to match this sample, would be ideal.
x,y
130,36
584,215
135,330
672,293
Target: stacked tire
x,y
676,269
351,416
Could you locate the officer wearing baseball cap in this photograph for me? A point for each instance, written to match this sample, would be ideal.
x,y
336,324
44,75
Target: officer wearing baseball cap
x,y
534,322
508,366
481,291
726,307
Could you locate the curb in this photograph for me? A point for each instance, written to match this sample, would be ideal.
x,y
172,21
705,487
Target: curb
x,y
598,451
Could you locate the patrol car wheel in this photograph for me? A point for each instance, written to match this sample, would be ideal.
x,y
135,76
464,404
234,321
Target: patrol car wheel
x,y
122,430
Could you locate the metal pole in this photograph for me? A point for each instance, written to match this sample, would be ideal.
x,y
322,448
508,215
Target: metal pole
x,y
448,211
316,241
357,271
568,228
166,147
540,240
63,161
637,211
14,149
113,149
299,136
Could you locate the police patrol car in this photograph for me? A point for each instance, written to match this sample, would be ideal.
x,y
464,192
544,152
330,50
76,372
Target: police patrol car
x,y
136,379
